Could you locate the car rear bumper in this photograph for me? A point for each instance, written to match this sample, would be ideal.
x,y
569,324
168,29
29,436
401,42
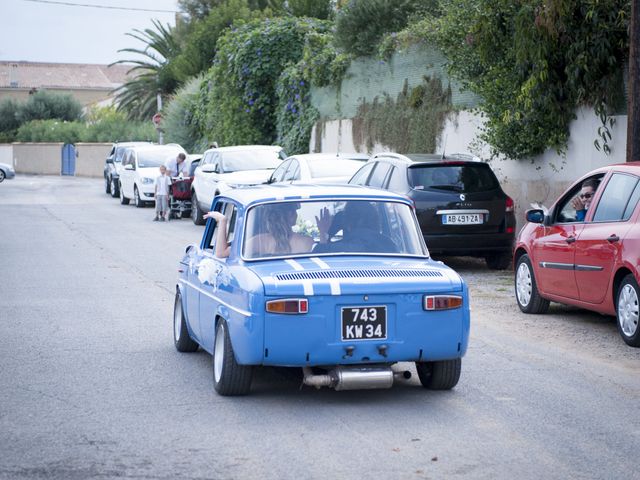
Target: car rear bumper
x,y
473,245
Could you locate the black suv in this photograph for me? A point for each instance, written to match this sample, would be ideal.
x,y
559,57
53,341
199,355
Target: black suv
x,y
112,166
461,208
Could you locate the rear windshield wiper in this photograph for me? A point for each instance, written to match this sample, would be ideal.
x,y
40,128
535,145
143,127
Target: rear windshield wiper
x,y
453,188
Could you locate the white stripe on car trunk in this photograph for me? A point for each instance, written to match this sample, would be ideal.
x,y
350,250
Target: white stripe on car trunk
x,y
295,265
320,263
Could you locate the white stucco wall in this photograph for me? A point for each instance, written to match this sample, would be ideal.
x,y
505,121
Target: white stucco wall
x,y
6,153
541,179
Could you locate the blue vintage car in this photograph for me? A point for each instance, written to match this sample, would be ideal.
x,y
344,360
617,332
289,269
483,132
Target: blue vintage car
x,y
334,279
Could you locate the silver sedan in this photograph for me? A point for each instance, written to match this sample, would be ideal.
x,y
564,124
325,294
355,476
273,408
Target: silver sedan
x,y
6,171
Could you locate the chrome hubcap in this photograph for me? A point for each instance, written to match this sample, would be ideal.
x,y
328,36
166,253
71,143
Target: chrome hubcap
x,y
177,320
218,354
628,310
524,285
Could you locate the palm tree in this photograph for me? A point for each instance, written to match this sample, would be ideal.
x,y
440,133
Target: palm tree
x,y
152,74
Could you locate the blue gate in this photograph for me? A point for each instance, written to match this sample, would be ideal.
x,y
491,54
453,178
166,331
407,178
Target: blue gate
x,y
68,159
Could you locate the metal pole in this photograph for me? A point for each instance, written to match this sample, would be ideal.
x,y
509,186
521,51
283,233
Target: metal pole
x,y
159,128
633,99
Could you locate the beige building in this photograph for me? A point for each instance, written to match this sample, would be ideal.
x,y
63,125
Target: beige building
x,y
89,84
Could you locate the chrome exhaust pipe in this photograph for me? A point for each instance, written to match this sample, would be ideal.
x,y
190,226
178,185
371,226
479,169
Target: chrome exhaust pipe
x,y
354,378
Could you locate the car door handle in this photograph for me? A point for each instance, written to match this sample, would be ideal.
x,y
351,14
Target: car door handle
x,y
570,239
613,238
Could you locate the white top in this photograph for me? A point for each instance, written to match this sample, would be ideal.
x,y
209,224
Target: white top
x,y
162,185
173,169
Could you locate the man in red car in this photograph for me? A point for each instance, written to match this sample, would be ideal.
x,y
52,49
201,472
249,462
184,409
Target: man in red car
x,y
583,201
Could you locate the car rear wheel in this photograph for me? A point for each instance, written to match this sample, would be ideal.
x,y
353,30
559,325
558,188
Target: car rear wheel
x,y
136,198
498,261
107,185
181,338
123,200
115,191
442,375
229,378
628,312
2,175
196,213
527,295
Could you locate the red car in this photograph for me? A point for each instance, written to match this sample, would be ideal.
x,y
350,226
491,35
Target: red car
x,y
585,251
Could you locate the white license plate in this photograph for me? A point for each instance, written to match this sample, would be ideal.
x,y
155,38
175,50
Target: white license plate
x,y
463,219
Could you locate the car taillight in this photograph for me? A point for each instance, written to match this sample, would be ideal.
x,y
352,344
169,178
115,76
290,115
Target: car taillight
x,y
441,302
510,206
293,306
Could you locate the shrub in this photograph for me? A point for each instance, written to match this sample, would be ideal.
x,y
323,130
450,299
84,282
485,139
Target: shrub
x,y
180,124
295,115
240,93
110,125
8,115
50,131
44,105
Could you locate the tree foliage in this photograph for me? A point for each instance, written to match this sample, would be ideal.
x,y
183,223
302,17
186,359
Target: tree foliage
x,y
534,62
153,73
361,24
44,105
200,40
240,94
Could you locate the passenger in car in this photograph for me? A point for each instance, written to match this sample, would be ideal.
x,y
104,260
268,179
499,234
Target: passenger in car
x,y
276,236
360,227
582,201
223,247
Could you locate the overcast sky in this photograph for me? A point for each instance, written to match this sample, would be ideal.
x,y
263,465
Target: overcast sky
x,y
47,32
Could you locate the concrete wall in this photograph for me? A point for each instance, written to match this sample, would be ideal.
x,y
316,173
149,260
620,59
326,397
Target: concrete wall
x,y
38,158
90,158
541,179
6,153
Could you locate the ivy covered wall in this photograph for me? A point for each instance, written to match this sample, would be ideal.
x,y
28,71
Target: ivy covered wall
x,y
401,102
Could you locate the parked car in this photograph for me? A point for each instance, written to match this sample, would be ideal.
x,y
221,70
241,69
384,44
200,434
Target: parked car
x,y
113,166
361,296
591,262
140,167
229,167
318,168
461,208
6,171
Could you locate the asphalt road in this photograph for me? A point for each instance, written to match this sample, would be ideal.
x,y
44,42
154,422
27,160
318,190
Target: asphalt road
x,y
92,387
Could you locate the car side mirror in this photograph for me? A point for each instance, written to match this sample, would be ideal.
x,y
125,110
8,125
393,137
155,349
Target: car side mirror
x,y
208,168
535,216
110,160
128,166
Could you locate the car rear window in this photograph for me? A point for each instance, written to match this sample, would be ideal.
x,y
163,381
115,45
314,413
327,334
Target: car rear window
x,y
453,177
333,168
240,160
154,157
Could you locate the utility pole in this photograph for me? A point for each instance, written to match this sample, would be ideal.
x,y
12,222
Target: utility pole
x,y
159,126
633,99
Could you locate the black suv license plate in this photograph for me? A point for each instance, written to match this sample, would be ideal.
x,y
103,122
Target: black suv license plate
x,y
364,323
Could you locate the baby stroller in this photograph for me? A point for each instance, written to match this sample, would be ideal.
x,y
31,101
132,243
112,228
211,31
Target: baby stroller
x,y
180,197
